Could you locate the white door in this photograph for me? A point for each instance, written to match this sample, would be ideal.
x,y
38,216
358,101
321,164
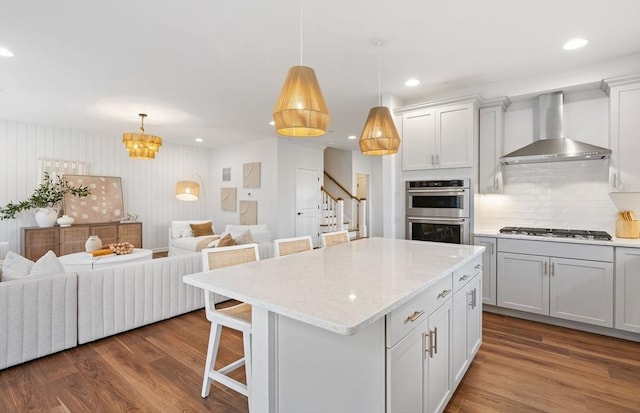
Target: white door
x,y
489,276
308,203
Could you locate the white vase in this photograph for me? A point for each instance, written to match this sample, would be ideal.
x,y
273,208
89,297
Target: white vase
x,y
46,217
93,243
65,221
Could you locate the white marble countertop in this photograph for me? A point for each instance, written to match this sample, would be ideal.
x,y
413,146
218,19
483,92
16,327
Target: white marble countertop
x,y
342,288
614,242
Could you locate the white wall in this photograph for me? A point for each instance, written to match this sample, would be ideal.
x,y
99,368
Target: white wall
x,y
263,151
148,186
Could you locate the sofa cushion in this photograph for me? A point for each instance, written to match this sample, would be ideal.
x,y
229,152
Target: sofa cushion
x,y
15,267
244,238
226,241
183,228
47,264
200,230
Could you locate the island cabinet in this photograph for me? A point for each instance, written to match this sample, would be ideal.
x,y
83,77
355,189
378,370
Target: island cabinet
x,y
442,136
628,289
36,241
624,132
466,332
568,281
489,269
418,365
362,327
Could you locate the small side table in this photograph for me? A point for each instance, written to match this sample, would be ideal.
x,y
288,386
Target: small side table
x,y
83,261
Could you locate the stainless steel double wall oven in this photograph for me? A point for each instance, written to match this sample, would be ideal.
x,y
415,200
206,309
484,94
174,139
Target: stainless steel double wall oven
x,y
439,211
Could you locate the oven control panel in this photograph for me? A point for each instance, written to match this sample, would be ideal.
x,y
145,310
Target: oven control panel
x,y
452,183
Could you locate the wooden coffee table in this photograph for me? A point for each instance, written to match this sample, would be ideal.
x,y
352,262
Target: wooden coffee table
x,y
83,261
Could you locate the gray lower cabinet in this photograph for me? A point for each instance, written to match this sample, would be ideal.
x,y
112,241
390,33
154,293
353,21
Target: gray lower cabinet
x,y
628,289
568,281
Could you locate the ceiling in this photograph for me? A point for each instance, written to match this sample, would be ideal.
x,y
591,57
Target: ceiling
x,y
213,69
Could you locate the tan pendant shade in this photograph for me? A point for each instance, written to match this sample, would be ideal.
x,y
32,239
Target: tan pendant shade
x,y
379,135
187,190
300,110
141,145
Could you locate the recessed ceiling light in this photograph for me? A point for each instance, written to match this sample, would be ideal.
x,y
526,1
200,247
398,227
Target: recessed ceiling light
x,y
4,52
352,137
412,82
199,140
272,123
575,44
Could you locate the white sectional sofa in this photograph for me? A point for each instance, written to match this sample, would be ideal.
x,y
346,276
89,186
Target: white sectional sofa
x,y
38,316
41,315
121,298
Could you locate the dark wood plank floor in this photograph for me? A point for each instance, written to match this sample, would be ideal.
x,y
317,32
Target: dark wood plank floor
x,y
522,366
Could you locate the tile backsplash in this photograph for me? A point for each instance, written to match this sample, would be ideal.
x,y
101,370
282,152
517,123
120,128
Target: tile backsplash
x,y
572,194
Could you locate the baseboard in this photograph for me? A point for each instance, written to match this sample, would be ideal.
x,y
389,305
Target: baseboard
x,y
605,331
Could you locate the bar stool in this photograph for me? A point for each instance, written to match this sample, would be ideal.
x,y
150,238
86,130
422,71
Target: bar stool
x,y
237,317
286,246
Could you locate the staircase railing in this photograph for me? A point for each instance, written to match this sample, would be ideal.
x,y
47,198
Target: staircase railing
x,y
333,211
359,213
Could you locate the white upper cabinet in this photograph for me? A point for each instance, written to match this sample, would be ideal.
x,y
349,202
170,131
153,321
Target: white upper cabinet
x,y
624,132
491,141
439,135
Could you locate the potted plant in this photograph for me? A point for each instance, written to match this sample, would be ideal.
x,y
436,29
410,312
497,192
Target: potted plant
x,y
45,200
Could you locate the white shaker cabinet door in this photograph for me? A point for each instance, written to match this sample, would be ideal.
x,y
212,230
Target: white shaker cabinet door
x,y
524,283
438,362
454,136
581,290
418,140
405,360
489,276
628,289
624,135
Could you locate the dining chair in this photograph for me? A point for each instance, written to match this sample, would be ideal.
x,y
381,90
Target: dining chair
x,y
237,317
329,239
286,246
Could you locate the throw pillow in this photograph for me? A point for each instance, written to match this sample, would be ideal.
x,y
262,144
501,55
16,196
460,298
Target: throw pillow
x,y
202,229
244,238
47,264
226,241
15,267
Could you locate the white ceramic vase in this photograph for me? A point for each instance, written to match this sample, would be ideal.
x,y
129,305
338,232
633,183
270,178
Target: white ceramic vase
x,y
65,221
46,217
93,243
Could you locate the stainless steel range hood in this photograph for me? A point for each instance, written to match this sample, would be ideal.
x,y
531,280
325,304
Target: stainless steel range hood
x,y
552,146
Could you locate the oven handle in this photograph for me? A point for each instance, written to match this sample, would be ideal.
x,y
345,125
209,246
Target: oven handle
x,y
434,191
423,219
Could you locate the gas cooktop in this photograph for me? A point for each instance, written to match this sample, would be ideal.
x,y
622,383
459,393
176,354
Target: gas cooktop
x,y
557,233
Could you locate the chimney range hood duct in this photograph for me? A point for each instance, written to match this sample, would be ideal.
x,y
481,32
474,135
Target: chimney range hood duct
x,y
552,146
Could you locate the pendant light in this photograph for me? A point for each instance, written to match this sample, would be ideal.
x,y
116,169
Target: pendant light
x,y
141,145
301,110
379,135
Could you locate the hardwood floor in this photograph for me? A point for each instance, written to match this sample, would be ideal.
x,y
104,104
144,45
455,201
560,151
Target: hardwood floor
x,y
522,366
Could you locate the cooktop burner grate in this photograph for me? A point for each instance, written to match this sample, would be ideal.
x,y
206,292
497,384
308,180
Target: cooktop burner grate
x,y
557,233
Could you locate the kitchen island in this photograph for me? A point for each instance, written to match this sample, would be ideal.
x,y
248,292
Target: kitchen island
x,y
326,324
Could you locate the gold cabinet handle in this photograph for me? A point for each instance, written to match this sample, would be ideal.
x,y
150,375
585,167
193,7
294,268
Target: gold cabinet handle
x,y
413,317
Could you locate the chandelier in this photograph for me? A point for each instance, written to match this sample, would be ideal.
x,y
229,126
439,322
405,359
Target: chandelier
x,y
141,145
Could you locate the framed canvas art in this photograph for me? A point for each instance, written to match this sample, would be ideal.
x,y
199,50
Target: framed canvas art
x,y
104,204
